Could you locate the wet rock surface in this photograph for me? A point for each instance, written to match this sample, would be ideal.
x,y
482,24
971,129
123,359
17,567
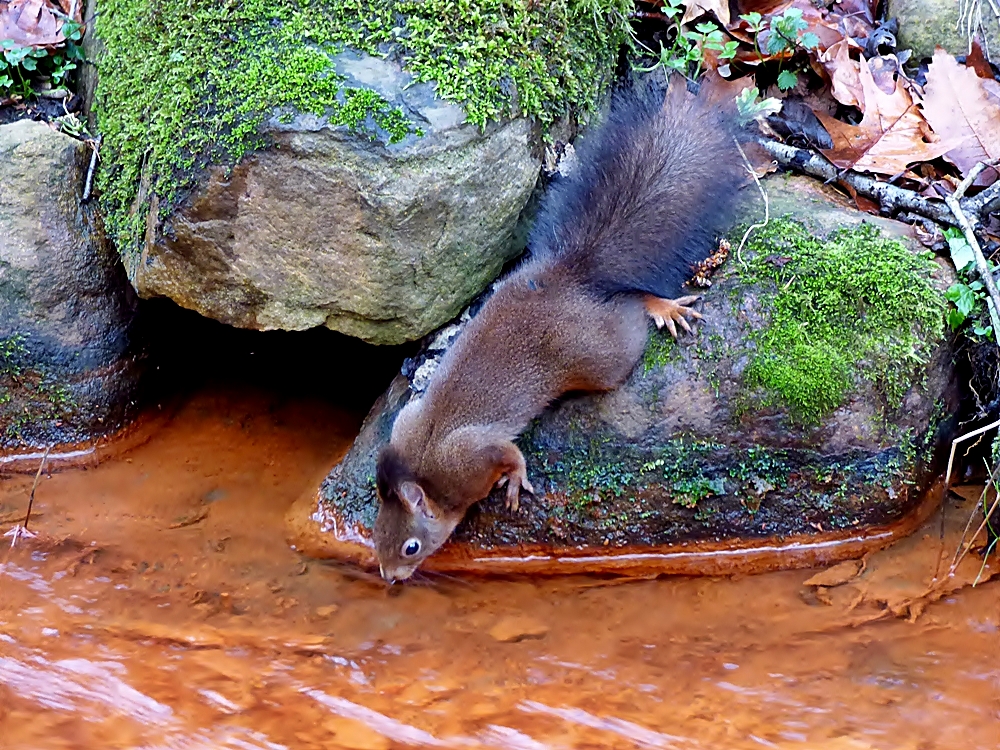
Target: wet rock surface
x,y
694,448
68,366
326,227
924,24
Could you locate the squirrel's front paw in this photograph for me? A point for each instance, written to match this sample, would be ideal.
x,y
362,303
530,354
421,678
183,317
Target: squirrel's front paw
x,y
514,482
667,312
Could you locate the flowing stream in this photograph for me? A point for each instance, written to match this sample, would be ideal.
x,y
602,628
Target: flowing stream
x,y
160,607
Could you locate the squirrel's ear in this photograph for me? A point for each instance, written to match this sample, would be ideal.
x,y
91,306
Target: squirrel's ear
x,y
413,497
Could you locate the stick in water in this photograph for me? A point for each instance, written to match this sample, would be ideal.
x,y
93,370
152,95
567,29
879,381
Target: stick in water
x,y
22,529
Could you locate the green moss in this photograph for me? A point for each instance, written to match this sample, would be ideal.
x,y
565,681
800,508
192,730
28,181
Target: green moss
x,y
28,392
590,469
856,305
188,83
660,350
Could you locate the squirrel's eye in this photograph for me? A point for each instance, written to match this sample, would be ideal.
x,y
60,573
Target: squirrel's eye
x,y
411,547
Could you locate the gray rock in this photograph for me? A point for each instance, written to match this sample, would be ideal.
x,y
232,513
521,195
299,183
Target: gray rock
x,y
924,24
68,368
325,227
692,448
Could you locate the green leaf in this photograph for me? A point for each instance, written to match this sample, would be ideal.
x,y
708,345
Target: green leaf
x,y
955,319
787,80
963,297
809,40
729,51
706,28
753,20
980,331
961,251
776,43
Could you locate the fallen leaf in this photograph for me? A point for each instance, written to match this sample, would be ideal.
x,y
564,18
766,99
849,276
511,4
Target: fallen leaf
x,y
31,23
190,520
960,109
892,134
837,575
978,62
514,629
843,72
857,9
696,8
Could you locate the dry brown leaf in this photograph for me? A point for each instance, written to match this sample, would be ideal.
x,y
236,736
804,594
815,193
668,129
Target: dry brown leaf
x,y
843,72
837,575
978,62
960,109
892,134
861,9
696,8
32,23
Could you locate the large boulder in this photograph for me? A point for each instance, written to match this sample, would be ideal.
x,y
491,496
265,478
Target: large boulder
x,y
926,24
68,365
809,408
285,165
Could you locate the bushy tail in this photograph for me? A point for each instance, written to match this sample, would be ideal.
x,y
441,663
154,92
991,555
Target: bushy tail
x,y
655,185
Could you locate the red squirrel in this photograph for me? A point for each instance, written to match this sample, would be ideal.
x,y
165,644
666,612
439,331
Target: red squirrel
x,y
612,245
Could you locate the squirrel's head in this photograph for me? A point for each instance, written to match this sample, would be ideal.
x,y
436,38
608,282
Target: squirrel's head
x,y
410,526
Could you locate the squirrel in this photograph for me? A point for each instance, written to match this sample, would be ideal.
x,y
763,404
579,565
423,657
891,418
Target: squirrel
x,y
613,243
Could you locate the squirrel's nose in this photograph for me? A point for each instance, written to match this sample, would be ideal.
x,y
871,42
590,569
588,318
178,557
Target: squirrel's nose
x,y
381,571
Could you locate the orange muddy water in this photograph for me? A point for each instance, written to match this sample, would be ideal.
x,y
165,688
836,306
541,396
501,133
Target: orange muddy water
x,y
160,607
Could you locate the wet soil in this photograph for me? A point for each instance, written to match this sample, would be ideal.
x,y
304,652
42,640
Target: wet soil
x,y
160,607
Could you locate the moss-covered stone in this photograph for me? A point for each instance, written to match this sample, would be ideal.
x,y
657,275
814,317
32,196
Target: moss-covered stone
x,y
705,441
856,304
188,83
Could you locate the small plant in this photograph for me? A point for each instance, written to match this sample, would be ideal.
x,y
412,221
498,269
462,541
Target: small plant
x,y
23,68
687,53
687,492
786,34
748,108
966,297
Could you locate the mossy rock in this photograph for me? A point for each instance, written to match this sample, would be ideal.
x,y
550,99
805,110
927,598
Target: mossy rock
x,y
926,24
812,400
70,365
355,164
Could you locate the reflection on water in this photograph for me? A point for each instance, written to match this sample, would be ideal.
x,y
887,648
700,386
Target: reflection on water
x,y
162,609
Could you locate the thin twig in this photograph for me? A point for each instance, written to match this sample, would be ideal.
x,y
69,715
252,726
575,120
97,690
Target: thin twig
x,y
34,486
962,439
965,184
21,530
88,183
972,540
984,203
959,553
767,206
891,198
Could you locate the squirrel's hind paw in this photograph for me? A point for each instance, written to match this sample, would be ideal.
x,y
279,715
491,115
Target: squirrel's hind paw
x,y
515,483
672,312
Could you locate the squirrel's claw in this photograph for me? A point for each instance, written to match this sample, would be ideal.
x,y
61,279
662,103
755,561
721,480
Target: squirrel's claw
x,y
672,312
514,483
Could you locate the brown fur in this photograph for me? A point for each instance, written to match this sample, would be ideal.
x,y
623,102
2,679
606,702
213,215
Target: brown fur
x,y
574,317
